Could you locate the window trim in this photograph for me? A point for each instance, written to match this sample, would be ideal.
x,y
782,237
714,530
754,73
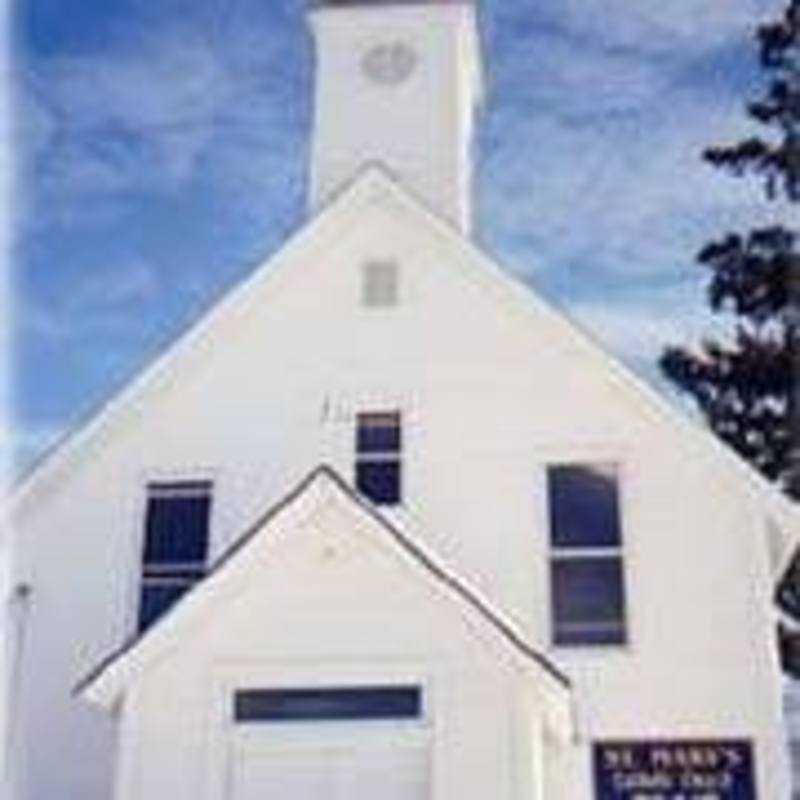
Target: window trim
x,y
621,552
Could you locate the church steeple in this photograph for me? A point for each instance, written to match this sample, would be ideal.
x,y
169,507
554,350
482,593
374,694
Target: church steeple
x,y
397,83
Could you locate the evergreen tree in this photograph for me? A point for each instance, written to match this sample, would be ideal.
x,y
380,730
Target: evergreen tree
x,y
748,387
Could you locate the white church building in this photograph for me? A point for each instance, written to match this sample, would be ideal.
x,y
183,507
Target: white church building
x,y
383,524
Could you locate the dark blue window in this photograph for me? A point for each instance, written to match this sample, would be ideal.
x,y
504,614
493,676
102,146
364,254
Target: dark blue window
x,y
328,704
157,596
379,480
586,569
584,510
175,544
176,527
588,600
378,457
378,433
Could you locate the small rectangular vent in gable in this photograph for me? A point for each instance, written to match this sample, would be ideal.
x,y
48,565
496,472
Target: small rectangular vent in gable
x,y
379,284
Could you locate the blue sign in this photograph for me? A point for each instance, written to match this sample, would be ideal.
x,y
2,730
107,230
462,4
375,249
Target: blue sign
x,y
674,770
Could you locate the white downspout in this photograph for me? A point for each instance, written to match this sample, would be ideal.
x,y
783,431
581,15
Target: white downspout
x,y
14,631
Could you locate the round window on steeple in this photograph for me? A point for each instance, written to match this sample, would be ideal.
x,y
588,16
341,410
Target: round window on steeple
x,y
389,63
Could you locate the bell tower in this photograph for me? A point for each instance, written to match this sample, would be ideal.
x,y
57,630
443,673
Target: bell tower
x,y
397,83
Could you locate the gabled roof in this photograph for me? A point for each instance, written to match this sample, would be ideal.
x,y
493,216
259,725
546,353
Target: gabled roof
x,y
376,182
107,681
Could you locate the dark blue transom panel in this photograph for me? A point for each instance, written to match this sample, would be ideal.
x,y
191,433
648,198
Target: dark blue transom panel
x,y
326,704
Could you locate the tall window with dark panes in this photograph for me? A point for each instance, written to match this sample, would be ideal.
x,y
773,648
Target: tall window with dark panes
x,y
586,565
378,457
175,544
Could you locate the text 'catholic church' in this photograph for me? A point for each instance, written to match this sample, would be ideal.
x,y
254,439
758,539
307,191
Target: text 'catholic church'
x,y
384,525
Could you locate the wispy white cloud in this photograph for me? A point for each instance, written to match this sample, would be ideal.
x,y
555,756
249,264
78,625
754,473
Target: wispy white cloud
x,y
38,319
179,105
594,78
657,24
134,282
106,301
136,117
612,173
128,118
638,332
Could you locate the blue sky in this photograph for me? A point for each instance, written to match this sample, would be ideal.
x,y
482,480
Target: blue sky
x,y
163,146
